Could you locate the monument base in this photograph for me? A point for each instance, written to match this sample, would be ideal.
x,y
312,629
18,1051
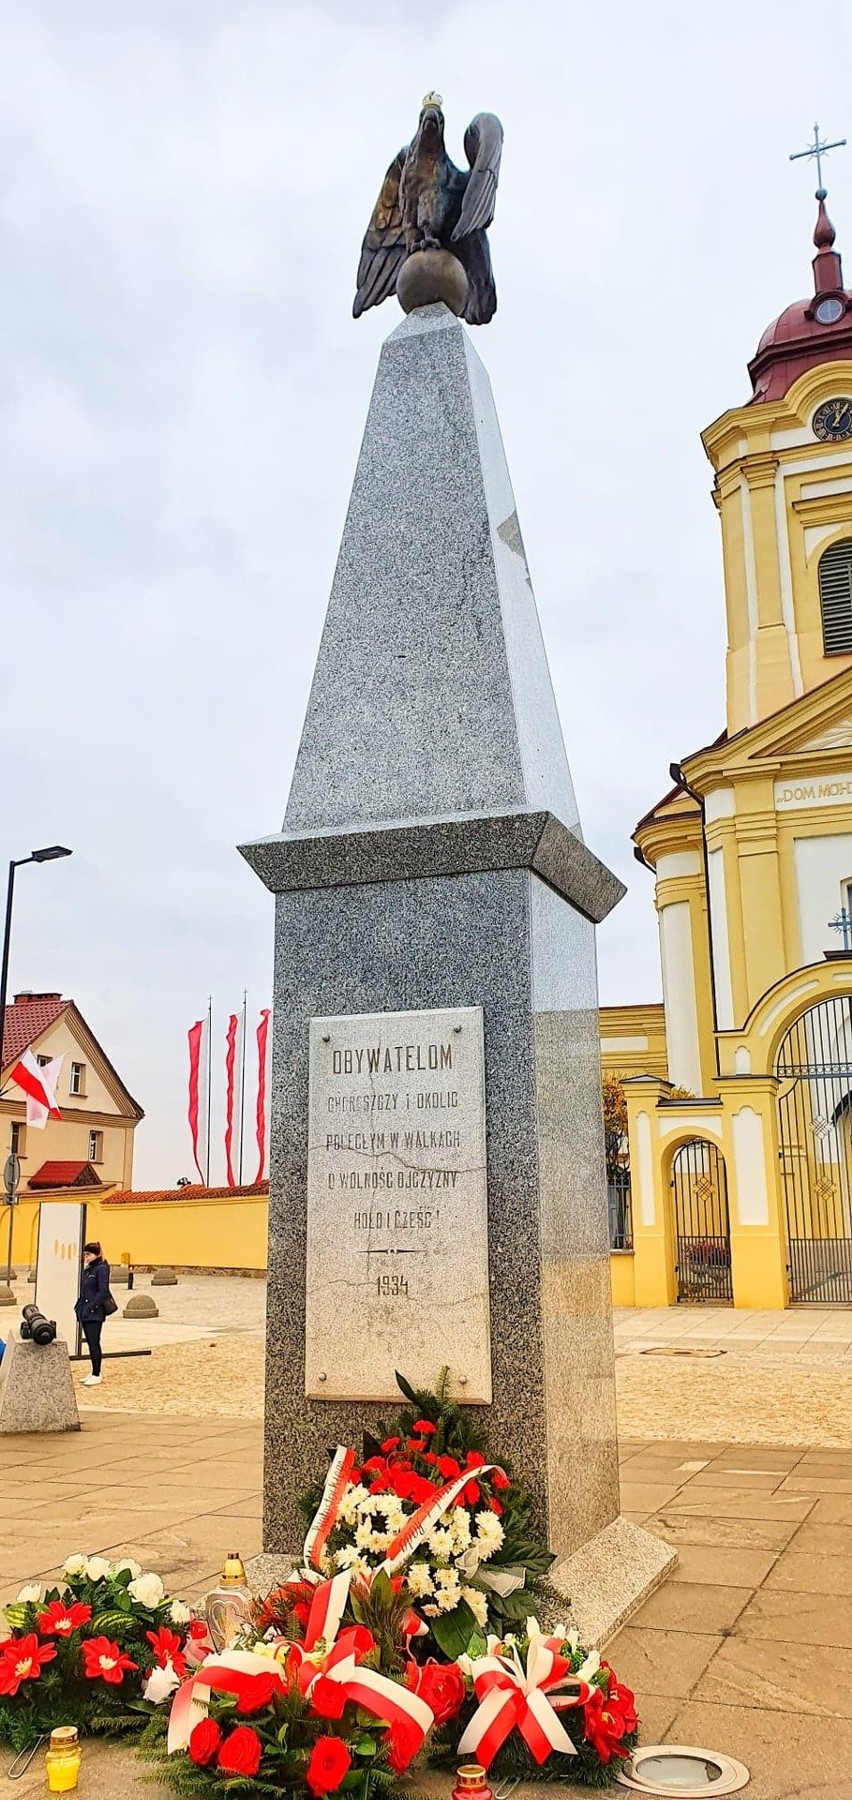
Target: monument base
x,y
36,1388
609,1577
603,1583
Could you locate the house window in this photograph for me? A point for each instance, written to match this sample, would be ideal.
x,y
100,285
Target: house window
x,y
17,1138
835,598
77,1082
96,1146
42,1061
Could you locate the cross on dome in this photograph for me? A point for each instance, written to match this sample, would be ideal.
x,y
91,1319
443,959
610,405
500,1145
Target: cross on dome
x,y
817,150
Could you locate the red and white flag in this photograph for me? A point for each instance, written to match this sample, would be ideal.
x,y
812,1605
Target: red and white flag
x,y
38,1082
233,1053
262,1036
199,1053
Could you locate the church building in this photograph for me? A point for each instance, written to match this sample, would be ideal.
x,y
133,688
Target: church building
x,y
742,1191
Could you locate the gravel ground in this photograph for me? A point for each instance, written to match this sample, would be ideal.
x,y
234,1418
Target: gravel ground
x,y
743,1400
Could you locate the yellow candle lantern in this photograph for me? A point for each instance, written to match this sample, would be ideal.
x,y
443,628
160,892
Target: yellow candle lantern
x,y
62,1759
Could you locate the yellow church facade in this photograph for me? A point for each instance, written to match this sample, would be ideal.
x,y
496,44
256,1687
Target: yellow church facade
x,y
742,1192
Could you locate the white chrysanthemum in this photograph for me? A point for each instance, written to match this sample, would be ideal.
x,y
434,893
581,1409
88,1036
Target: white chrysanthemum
x,y
379,1540
431,1611
350,1503
418,1579
447,1589
180,1614
489,1534
347,1557
147,1589
31,1592
363,1533
460,1527
478,1604
97,1568
440,1541
74,1565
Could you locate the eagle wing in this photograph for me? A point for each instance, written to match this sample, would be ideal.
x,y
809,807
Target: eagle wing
x,y
383,248
481,303
483,147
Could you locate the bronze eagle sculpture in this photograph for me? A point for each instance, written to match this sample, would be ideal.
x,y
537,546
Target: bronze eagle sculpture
x,y
426,203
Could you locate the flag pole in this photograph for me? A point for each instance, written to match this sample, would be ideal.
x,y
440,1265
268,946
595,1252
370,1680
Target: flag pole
x,y
243,1087
209,1077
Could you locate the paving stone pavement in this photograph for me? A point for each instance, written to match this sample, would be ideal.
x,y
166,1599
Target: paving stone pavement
x,y
746,1648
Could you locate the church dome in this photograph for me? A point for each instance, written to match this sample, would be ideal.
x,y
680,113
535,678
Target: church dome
x,y
810,331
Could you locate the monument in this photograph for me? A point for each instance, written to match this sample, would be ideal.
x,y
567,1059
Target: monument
x,y
437,1166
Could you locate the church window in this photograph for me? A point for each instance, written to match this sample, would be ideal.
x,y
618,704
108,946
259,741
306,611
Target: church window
x,y
835,598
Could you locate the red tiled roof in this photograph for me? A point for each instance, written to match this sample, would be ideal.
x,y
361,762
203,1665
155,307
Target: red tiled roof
x,y
65,1174
26,1018
159,1196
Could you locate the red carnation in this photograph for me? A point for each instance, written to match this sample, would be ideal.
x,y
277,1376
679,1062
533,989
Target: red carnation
x,y
448,1467
441,1685
375,1465
423,1427
166,1646
500,1479
204,1741
474,1460
59,1621
105,1661
418,1445
240,1754
388,1445
330,1761
22,1659
327,1698
492,1504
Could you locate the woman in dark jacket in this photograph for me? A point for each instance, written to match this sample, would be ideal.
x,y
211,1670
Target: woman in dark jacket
x,y
91,1307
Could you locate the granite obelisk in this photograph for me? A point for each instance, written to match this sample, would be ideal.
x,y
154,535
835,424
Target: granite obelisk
x,y
435,909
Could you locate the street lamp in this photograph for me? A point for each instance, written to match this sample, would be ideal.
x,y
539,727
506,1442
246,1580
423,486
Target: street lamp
x,y
50,853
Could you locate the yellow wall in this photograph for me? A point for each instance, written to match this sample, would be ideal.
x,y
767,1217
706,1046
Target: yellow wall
x,y
633,1040
198,1233
621,1278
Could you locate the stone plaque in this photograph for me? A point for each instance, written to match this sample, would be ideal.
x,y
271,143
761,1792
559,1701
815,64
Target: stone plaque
x,y
397,1251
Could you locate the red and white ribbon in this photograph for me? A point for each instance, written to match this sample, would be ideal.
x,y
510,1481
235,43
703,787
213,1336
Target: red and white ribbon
x,y
228,1671
512,1697
413,1532
325,1517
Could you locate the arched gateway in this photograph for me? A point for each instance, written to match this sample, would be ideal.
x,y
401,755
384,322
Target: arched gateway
x,y
814,1063
701,1222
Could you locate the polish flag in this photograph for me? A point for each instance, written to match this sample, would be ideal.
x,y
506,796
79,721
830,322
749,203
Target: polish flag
x,y
39,1085
233,1051
260,1115
199,1051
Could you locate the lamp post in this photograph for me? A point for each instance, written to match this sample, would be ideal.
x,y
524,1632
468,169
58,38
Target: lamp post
x,y
51,853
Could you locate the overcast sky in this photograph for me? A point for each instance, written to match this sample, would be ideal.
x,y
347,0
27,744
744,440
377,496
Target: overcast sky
x,y
185,184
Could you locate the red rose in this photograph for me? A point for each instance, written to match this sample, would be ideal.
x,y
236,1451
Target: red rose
x,y
204,1741
258,1691
423,1427
403,1742
441,1685
330,1761
302,1612
327,1698
241,1752
500,1479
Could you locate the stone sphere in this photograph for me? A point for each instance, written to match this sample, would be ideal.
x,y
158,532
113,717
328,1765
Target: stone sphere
x,y
428,276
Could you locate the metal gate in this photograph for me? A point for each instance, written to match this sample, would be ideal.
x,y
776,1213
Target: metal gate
x,y
815,1149
702,1229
